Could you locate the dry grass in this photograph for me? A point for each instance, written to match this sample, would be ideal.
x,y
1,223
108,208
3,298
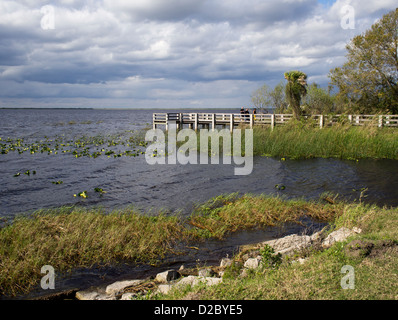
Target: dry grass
x,y
258,211
66,238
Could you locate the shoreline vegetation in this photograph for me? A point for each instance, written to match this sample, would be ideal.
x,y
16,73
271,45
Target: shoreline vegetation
x,y
71,237
299,140
68,238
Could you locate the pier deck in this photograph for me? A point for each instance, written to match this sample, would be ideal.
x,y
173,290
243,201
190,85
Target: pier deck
x,y
211,120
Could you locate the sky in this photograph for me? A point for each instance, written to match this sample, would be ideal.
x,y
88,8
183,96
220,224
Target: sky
x,y
169,53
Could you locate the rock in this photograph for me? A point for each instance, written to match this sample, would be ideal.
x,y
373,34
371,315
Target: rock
x,y
127,296
357,230
118,287
317,236
289,244
337,236
211,281
207,272
167,276
195,280
252,263
164,288
93,294
225,262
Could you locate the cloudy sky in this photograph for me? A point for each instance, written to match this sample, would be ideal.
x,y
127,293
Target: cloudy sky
x,y
169,53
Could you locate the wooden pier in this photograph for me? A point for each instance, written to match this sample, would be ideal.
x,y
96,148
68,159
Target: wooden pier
x,y
232,120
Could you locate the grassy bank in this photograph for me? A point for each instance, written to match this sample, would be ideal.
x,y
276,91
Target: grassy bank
x,y
302,140
298,140
373,255
68,238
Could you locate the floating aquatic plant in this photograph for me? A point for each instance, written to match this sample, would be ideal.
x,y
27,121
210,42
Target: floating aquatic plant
x,y
99,190
82,194
85,146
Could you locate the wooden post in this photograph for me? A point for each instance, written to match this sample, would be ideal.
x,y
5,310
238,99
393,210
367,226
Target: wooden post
x,y
251,120
231,122
153,121
196,122
380,121
321,121
167,122
180,122
357,120
350,118
272,121
213,122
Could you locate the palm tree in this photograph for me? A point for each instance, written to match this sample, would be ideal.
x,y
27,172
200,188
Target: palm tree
x,y
296,89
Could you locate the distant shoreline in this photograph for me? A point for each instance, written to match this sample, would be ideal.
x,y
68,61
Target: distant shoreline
x,y
81,108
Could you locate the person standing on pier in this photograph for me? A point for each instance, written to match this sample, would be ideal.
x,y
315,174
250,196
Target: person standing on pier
x,y
242,113
247,117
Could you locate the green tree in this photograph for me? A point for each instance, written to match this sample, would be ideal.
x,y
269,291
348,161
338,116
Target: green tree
x,y
278,98
265,97
368,81
318,100
296,89
260,97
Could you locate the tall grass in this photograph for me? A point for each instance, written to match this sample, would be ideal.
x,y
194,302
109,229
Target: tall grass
x,y
297,140
66,238
252,211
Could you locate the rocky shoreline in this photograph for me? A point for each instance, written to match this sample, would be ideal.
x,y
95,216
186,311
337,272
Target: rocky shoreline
x,y
248,258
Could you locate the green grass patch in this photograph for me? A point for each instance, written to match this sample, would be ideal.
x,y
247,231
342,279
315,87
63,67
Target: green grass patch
x,y
297,140
320,277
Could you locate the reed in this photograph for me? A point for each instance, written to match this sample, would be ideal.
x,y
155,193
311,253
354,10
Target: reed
x,y
66,238
254,211
297,140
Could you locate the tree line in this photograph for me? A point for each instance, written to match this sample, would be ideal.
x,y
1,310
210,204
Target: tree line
x,y
366,84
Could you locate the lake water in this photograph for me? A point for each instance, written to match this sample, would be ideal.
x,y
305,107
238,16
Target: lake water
x,y
131,181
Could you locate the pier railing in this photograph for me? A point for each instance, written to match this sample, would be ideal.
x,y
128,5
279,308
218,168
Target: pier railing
x,y
194,120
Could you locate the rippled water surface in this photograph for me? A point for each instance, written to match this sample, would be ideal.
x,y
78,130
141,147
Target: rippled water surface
x,y
131,181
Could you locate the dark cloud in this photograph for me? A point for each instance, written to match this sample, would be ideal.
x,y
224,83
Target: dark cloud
x,y
175,52
156,10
